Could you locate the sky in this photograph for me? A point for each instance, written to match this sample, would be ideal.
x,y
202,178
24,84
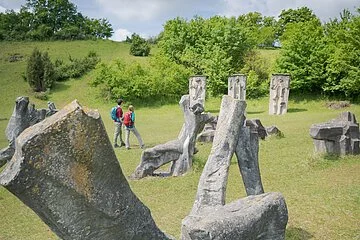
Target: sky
x,y
147,17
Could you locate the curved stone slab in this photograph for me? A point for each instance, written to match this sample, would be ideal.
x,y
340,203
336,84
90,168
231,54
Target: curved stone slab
x,y
65,169
245,218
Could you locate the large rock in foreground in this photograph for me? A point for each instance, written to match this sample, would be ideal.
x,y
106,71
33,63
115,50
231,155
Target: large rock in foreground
x,y
255,217
64,168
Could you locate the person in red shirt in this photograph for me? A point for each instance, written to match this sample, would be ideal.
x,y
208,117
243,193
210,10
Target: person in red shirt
x,y
118,124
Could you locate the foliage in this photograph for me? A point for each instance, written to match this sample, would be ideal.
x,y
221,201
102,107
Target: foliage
x,y
40,72
258,71
323,58
214,47
304,56
165,80
42,20
343,69
76,68
303,14
139,46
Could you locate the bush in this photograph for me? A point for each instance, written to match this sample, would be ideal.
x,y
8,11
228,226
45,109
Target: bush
x,y
75,68
40,73
163,81
139,46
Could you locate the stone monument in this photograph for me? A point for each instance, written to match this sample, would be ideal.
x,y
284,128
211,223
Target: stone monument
x,y
237,86
279,94
23,116
197,90
179,151
258,216
339,136
65,169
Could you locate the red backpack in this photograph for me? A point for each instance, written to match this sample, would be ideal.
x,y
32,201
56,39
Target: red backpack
x,y
127,119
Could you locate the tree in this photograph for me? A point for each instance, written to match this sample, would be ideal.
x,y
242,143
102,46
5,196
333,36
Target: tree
x,y
139,46
40,72
35,71
343,69
302,14
304,55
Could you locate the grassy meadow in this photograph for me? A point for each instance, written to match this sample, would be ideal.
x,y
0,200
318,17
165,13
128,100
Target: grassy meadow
x,y
322,193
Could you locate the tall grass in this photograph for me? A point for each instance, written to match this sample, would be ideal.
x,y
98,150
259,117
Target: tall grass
x,y
322,193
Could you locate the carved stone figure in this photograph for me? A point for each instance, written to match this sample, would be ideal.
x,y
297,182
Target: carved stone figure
x,y
197,90
179,151
65,169
23,116
279,94
339,136
237,86
208,133
261,216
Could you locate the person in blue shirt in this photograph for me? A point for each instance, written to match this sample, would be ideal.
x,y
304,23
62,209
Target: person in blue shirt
x,y
129,123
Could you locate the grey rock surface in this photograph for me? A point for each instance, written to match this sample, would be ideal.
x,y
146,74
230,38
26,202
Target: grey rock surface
x,y
247,151
23,116
179,151
255,217
262,216
212,184
279,94
338,136
237,86
65,169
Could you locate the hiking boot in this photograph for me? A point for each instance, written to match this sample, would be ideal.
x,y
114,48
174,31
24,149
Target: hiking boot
x,y
122,144
128,148
142,146
116,146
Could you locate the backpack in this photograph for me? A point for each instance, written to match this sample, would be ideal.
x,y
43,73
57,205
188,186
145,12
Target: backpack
x,y
113,113
127,119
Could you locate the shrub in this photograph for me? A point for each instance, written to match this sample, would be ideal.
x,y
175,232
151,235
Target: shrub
x,y
40,73
139,46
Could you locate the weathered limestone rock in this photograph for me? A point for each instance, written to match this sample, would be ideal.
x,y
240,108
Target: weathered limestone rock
x,y
179,151
273,131
279,93
255,217
208,133
65,169
237,86
197,90
23,116
339,136
247,151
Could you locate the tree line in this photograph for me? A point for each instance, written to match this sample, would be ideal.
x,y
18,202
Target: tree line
x,y
41,20
322,58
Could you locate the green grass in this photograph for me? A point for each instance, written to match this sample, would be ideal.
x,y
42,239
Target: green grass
x,y
322,193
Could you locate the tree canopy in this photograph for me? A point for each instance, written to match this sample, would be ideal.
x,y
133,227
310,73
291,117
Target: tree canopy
x,y
51,20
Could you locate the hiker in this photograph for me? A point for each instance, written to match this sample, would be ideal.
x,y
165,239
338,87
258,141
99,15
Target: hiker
x,y
117,116
129,122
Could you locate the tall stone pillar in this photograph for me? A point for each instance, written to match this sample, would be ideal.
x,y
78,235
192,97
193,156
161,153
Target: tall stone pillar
x,y
279,93
237,86
197,90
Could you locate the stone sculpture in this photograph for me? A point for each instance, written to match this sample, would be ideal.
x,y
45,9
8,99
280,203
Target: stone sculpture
x,y
65,169
23,116
279,94
207,135
339,136
197,90
179,151
262,216
237,86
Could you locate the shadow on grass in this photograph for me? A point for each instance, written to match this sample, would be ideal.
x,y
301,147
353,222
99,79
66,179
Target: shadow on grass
x,y
294,110
294,233
60,86
3,119
258,112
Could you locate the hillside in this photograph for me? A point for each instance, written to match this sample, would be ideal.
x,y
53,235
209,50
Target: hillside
x,y
322,193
